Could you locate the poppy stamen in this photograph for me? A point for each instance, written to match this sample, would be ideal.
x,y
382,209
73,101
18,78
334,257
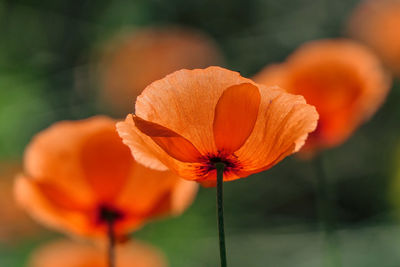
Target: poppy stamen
x,y
209,162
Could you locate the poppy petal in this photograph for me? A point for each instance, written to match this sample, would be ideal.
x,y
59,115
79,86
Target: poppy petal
x,y
45,206
158,186
343,79
103,155
66,253
281,128
183,195
209,183
52,158
78,157
142,147
376,23
174,144
235,115
150,154
31,197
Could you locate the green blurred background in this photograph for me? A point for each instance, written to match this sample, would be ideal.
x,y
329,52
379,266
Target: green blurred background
x,y
271,217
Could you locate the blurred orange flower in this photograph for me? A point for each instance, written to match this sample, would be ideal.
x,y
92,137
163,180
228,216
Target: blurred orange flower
x,y
79,172
14,223
342,79
69,254
377,23
134,61
192,119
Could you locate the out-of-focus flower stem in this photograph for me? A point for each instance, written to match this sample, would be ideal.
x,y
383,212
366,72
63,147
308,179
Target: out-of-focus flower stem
x,y
220,211
111,242
326,214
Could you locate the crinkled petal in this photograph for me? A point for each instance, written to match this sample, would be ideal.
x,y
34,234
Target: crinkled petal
x,y
283,122
172,143
150,154
142,147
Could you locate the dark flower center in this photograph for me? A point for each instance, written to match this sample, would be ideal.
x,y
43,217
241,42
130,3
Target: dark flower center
x,y
210,160
107,214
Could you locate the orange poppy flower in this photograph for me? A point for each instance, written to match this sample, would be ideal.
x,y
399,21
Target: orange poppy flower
x,y
193,119
79,172
70,254
14,223
134,61
377,23
342,79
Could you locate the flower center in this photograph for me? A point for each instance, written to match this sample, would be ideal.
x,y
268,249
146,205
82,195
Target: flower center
x,y
210,160
106,214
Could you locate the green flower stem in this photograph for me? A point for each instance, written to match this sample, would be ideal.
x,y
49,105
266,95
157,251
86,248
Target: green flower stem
x,y
326,213
220,210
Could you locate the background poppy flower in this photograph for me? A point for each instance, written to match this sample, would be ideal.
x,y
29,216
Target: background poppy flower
x,y
64,253
133,61
14,223
342,79
79,172
377,24
192,119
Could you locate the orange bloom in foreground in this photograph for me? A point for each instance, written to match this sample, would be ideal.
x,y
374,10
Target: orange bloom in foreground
x,y
192,119
342,79
79,172
377,23
70,254
136,60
